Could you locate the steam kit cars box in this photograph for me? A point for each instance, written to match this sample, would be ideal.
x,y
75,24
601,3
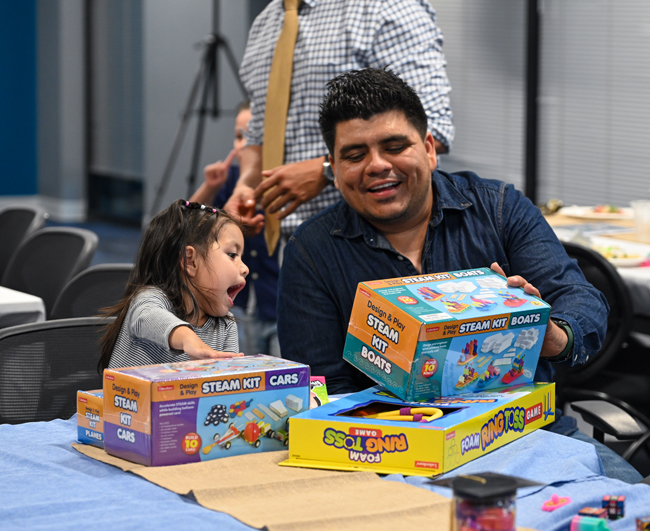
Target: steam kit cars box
x,y
204,409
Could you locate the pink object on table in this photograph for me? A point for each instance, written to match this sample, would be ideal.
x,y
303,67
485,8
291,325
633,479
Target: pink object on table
x,y
555,502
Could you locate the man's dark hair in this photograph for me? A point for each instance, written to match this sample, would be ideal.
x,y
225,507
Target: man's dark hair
x,y
365,93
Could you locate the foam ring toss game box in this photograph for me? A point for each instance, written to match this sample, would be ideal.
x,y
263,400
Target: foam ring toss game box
x,y
348,434
203,409
446,333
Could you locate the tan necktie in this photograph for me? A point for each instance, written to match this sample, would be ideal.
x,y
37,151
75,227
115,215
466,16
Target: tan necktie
x,y
277,106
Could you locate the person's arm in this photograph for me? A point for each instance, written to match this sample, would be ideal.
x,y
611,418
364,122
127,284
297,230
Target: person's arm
x,y
215,176
535,253
184,339
555,339
151,320
409,42
242,202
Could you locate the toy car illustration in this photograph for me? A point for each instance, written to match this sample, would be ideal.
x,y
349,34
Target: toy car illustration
x,y
253,432
225,441
280,435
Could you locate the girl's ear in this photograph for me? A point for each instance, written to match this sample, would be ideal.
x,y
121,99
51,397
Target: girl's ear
x,y
191,261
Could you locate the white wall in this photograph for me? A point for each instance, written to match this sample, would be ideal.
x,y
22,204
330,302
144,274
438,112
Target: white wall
x,y
171,29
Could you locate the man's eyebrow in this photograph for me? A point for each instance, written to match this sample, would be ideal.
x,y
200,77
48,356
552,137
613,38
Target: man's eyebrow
x,y
393,138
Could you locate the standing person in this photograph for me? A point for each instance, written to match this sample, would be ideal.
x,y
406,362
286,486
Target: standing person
x,y
334,36
255,308
187,273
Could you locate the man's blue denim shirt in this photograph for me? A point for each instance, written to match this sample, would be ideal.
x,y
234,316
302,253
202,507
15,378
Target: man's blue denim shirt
x,y
474,222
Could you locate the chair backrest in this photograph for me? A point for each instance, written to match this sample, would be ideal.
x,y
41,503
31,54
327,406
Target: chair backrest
x,y
16,223
91,290
43,365
604,277
48,259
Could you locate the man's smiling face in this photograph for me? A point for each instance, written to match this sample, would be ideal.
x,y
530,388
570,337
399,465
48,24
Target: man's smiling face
x,y
383,169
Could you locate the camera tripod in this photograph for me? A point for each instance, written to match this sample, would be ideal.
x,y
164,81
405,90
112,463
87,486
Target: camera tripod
x,y
206,82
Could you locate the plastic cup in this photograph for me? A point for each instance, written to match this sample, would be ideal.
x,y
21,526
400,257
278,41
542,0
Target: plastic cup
x,y
641,210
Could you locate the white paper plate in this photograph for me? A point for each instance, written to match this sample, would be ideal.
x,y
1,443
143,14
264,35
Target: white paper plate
x,y
626,262
587,212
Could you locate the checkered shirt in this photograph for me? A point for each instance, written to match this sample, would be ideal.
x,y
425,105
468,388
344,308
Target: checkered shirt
x,y
336,36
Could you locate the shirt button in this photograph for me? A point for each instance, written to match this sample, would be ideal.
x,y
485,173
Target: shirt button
x,y
400,257
253,252
255,276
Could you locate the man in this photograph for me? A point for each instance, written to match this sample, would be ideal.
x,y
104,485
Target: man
x,y
334,36
401,217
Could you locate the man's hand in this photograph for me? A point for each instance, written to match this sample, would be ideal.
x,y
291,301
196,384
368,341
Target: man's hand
x,y
185,339
555,338
291,185
241,205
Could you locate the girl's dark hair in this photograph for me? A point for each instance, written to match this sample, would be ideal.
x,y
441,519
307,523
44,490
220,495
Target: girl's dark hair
x,y
160,262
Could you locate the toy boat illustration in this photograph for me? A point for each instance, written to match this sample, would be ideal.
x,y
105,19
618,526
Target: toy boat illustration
x,y
516,371
455,306
430,294
487,377
511,300
482,305
469,353
468,376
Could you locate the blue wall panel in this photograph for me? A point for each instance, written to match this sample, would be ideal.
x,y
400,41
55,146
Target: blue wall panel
x,y
18,150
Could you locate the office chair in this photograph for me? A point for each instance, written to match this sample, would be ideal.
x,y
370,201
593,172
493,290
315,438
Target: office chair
x,y
17,223
604,277
606,413
91,290
48,259
43,365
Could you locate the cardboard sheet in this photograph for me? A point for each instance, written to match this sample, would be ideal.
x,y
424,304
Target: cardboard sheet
x,y
261,494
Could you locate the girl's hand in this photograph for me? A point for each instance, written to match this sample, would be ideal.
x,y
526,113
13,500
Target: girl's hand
x,y
185,339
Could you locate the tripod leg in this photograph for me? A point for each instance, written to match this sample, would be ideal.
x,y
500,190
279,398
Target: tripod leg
x,y
178,141
232,61
210,81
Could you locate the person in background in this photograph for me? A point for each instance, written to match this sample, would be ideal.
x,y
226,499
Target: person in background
x,y
255,308
176,307
334,36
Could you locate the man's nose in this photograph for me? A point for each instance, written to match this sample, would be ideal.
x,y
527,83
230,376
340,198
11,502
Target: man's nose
x,y
377,163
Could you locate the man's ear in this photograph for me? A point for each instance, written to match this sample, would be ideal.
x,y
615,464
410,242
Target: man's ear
x,y
191,261
430,145
336,181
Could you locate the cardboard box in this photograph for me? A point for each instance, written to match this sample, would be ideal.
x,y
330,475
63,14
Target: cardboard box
x,y
90,421
199,410
447,333
473,424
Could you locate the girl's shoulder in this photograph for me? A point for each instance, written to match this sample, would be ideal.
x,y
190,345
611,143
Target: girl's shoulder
x,y
152,295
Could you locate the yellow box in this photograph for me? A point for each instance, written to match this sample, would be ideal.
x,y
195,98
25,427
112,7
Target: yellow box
x,y
473,424
446,333
199,410
90,417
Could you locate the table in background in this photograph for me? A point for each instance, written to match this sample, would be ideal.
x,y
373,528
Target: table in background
x,y
47,484
17,308
636,278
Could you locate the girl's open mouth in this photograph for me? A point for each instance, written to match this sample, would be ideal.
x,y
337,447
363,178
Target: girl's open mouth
x,y
233,291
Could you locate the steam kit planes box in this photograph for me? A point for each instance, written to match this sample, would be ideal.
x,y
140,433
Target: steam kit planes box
x,y
90,422
374,430
199,410
446,333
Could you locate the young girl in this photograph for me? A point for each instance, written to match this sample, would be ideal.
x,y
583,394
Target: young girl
x,y
176,306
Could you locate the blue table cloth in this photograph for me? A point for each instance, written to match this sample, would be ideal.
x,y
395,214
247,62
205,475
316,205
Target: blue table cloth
x,y
47,484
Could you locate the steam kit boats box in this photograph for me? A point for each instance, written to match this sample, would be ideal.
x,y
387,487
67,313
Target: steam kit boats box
x,y
446,333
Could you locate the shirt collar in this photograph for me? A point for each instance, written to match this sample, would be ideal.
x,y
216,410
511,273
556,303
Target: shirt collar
x,y
349,224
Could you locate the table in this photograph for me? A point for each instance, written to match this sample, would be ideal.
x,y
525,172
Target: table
x,y
636,278
46,484
17,308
